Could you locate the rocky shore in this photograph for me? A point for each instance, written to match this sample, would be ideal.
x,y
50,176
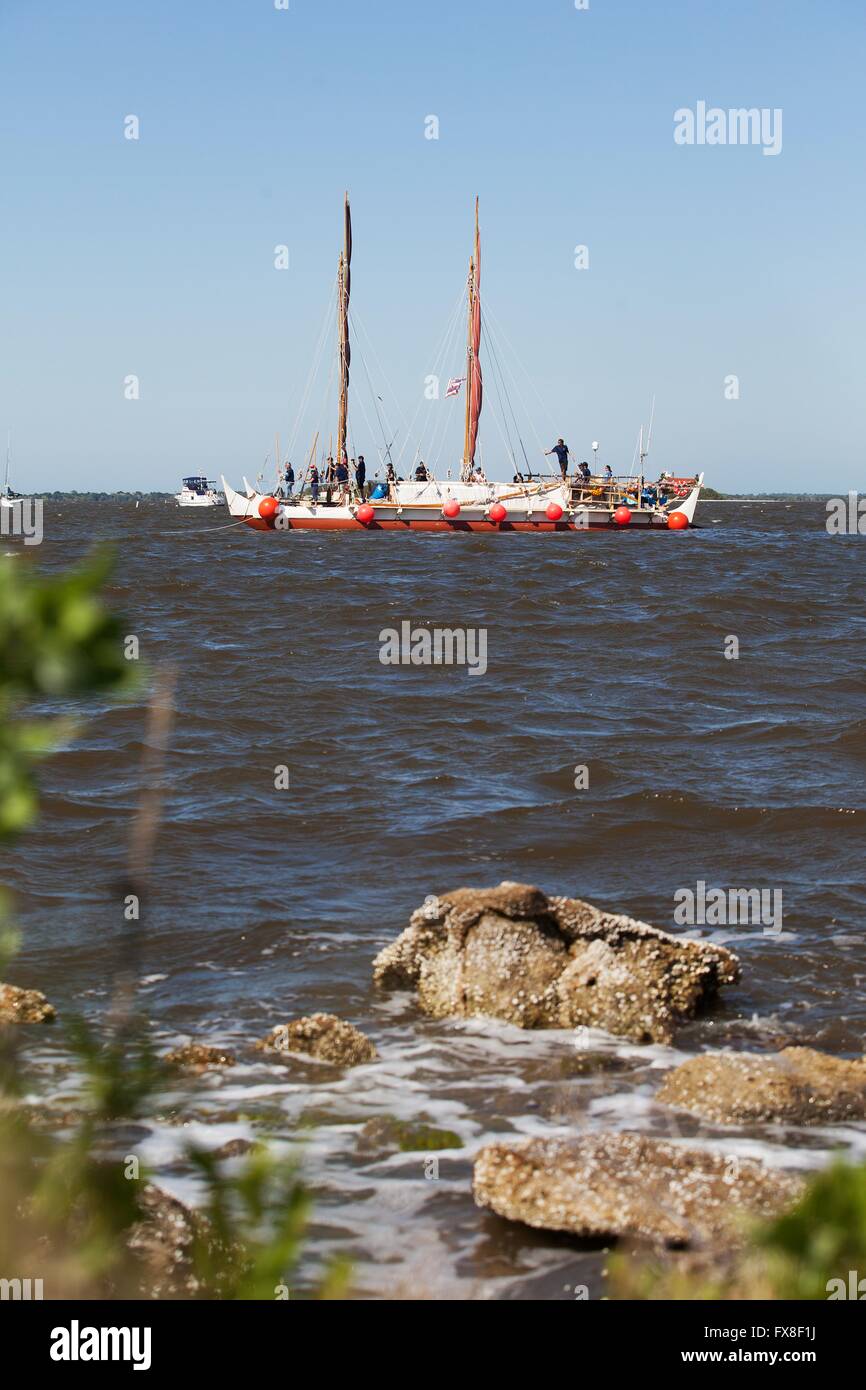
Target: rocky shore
x,y
539,962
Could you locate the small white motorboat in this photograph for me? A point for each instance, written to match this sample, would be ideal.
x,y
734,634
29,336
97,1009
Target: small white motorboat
x,y
198,492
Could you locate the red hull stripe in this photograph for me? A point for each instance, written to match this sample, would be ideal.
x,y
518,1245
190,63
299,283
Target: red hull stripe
x,y
485,527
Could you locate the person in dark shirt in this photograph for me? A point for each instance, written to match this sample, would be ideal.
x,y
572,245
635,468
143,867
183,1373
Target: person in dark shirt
x,y
341,476
314,482
289,480
361,477
421,473
585,473
560,448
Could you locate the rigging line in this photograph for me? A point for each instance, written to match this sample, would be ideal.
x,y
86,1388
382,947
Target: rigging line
x,y
516,386
505,338
209,530
360,401
314,369
314,374
506,442
442,421
385,432
378,366
495,358
443,341
497,375
501,332
326,404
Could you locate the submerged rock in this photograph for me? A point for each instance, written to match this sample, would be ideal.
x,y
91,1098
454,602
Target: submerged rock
x,y
164,1244
513,953
24,1006
198,1056
324,1036
387,1134
798,1084
236,1148
608,1185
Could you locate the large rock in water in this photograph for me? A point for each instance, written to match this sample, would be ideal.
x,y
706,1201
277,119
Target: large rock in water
x,y
797,1084
511,952
607,1185
24,1005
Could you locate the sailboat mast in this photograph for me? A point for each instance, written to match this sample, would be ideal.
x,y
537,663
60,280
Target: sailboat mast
x,y
344,285
470,295
473,364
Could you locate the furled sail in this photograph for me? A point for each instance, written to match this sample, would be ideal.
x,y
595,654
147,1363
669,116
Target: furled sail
x,y
473,365
344,290
475,381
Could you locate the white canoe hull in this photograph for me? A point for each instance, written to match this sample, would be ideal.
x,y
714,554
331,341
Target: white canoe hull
x,y
419,507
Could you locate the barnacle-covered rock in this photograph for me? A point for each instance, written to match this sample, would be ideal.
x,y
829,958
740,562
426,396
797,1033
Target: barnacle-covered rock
x,y
24,1006
798,1085
631,1185
324,1036
511,952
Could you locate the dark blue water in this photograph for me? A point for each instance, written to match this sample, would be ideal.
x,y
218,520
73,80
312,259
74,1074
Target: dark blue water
x,y
603,650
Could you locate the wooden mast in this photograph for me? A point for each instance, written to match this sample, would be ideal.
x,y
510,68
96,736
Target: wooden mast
x,y
467,462
344,284
473,365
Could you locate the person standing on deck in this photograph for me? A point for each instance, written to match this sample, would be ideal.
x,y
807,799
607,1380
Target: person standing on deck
x,y
560,448
585,473
342,480
361,477
314,483
289,479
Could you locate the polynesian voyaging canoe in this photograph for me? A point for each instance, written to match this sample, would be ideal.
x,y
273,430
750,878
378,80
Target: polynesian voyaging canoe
x,y
535,504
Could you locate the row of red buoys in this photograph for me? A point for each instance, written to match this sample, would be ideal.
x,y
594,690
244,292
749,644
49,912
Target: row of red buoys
x,y
677,521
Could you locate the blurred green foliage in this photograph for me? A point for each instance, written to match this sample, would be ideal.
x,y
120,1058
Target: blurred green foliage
x,y
823,1238
58,641
68,1208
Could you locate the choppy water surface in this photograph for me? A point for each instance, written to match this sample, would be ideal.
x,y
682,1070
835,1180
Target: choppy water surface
x,y
603,650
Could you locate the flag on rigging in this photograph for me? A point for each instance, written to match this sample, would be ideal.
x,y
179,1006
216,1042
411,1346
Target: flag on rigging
x,y
453,387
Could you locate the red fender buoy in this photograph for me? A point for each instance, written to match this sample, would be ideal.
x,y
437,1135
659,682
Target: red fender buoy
x,y
497,512
554,511
451,508
268,508
365,513
677,521
622,516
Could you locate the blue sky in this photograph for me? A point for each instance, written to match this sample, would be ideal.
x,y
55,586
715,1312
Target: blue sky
x,y
156,257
